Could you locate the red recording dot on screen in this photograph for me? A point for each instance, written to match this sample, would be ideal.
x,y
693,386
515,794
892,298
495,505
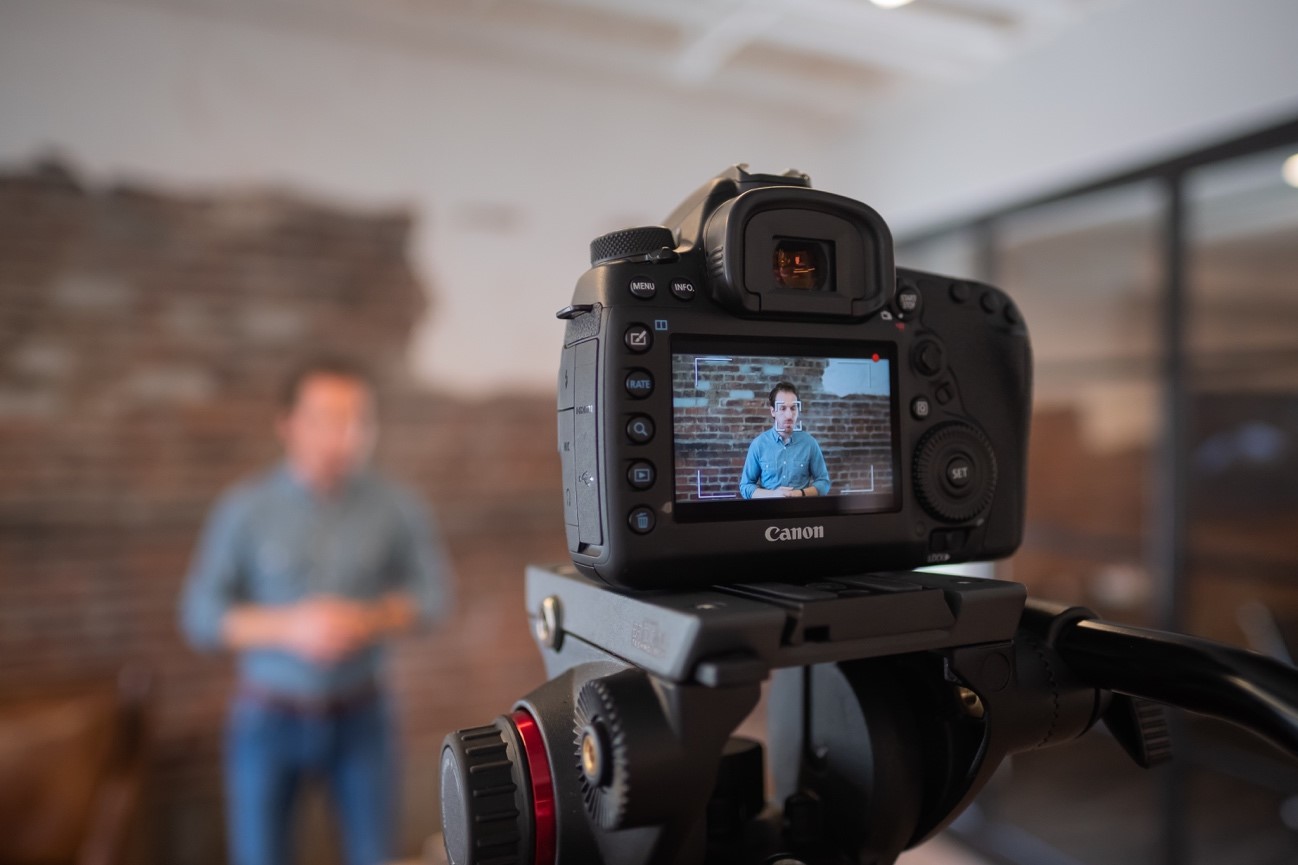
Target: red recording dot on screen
x,y
875,357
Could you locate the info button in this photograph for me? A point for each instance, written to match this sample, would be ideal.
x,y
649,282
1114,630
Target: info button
x,y
683,289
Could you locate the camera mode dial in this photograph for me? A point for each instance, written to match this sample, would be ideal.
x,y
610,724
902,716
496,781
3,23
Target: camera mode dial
x,y
955,472
630,243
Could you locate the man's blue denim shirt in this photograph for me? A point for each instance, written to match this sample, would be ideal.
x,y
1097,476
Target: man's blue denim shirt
x,y
796,463
273,541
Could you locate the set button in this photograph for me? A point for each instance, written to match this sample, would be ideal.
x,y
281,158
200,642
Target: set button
x,y
959,472
638,338
640,429
639,383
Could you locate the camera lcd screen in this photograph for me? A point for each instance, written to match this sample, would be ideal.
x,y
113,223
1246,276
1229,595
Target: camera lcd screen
x,y
764,428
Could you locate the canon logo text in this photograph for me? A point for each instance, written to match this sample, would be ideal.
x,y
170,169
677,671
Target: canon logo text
x,y
798,533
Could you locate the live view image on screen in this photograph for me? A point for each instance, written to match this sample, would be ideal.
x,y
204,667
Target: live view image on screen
x,y
755,427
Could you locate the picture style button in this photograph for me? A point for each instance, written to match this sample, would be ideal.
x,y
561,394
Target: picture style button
x,y
682,289
642,287
641,475
640,429
639,383
638,338
641,520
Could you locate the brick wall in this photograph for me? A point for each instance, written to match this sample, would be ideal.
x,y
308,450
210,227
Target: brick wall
x,y
722,404
143,337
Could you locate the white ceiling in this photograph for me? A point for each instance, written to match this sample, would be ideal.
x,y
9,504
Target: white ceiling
x,y
832,58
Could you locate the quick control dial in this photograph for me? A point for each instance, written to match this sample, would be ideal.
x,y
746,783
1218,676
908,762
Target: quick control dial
x,y
955,472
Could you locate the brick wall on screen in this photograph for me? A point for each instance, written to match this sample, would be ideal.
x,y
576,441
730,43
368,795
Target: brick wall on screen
x,y
143,337
716,420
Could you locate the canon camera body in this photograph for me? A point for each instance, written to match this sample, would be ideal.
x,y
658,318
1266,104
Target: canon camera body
x,y
755,393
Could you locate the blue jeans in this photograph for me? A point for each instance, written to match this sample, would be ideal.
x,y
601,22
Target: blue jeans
x,y
271,751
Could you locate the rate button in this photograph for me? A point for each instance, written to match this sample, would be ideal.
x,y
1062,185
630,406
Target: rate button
x,y
639,383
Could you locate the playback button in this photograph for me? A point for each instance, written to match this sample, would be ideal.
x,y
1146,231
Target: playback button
x,y
641,475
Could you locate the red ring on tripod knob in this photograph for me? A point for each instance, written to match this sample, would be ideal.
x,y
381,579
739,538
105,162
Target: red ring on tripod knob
x,y
538,770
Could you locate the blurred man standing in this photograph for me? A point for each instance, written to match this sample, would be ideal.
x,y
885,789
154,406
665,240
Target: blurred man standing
x,y
305,572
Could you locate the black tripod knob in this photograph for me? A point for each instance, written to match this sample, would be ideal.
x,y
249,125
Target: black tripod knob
x,y
631,243
490,810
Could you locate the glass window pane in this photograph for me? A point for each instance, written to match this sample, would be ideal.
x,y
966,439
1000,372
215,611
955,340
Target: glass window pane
x,y
1243,362
1087,275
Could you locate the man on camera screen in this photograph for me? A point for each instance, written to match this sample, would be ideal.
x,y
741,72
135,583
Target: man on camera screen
x,y
784,461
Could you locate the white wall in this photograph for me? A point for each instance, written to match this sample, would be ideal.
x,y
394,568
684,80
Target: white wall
x,y
1133,82
510,171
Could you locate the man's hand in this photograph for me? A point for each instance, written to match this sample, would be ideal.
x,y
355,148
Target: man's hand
x,y
325,629
322,629
777,493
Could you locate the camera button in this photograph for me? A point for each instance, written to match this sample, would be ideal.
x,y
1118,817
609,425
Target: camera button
x,y
641,475
928,357
920,408
640,429
990,302
945,393
641,520
959,472
908,301
682,289
639,383
959,292
638,338
642,287
947,540
1012,313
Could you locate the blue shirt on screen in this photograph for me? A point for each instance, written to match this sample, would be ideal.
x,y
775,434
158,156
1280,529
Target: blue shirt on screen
x,y
773,462
272,541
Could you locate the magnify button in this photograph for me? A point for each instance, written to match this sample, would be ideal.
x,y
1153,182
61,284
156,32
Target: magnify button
x,y
640,429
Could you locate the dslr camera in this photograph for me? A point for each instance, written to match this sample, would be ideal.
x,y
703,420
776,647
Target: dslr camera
x,y
754,392
763,426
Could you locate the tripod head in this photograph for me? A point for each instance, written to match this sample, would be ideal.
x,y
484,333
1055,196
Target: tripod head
x,y
894,697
